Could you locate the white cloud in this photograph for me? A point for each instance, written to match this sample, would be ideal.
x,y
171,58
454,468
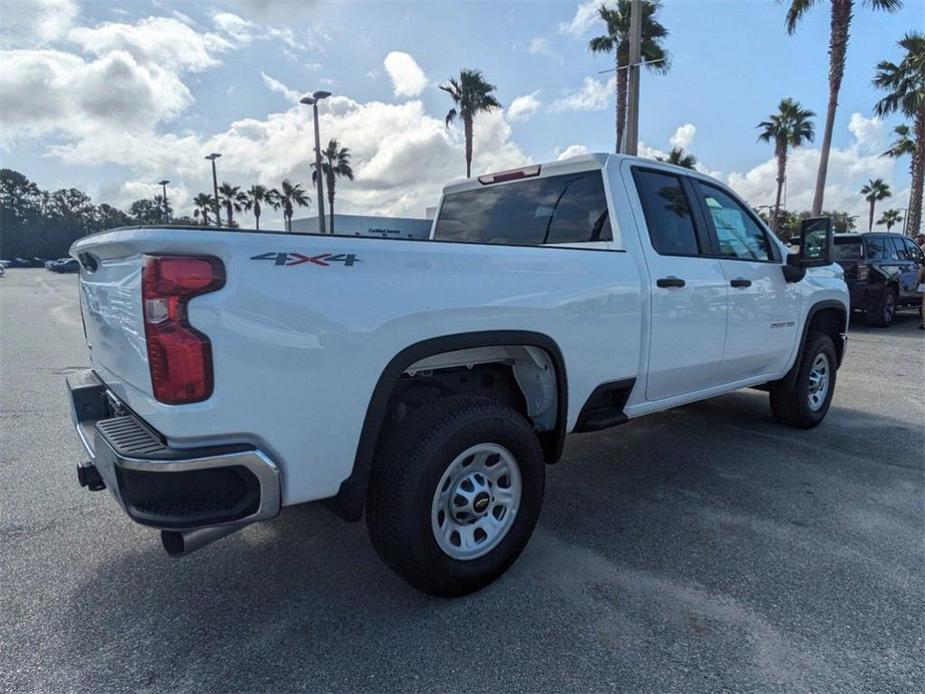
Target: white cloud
x,y
35,23
571,151
592,96
313,67
274,85
523,107
539,45
163,42
683,136
849,168
408,79
584,18
870,133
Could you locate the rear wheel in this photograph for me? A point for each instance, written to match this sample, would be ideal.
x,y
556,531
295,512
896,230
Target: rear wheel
x,y
884,309
802,399
455,494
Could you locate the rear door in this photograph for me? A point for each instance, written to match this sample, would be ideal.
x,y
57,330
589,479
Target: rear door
x,y
907,267
763,307
688,289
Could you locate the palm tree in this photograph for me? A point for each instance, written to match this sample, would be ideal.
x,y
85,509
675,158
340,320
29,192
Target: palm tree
x,y
789,127
890,218
335,164
616,41
233,199
472,95
679,157
204,203
840,26
290,194
258,196
875,189
905,87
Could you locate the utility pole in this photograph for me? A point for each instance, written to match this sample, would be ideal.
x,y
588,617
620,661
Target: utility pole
x,y
218,210
631,136
313,102
163,184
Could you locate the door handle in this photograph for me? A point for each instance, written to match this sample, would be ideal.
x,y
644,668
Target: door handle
x,y
740,282
670,281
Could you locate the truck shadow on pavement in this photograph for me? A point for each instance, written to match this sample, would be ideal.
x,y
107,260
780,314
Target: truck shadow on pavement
x,y
702,548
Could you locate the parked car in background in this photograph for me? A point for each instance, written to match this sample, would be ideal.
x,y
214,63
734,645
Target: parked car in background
x,y
63,265
4,262
27,262
880,270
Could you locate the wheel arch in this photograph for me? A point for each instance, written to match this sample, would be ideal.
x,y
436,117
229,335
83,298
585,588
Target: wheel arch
x,y
350,498
829,317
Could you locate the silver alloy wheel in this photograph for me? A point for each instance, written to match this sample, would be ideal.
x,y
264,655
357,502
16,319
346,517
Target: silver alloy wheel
x,y
476,501
818,382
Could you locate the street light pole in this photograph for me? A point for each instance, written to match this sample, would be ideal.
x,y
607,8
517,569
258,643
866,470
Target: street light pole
x,y
163,185
632,116
218,214
313,102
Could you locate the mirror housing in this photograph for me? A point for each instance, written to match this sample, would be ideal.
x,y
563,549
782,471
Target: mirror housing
x,y
817,248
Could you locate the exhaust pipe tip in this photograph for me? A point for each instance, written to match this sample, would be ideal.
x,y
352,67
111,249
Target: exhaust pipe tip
x,y
179,543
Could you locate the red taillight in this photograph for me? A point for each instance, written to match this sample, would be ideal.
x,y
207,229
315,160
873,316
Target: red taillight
x,y
180,356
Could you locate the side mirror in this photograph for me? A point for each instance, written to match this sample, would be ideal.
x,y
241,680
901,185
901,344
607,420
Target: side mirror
x,y
816,248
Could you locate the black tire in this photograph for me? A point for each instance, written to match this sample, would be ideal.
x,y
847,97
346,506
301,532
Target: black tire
x,y
790,397
883,311
404,480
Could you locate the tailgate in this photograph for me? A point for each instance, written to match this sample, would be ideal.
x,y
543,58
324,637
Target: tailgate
x,y
110,299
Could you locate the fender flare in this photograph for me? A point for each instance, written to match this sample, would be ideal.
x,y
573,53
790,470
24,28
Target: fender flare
x,y
350,499
810,314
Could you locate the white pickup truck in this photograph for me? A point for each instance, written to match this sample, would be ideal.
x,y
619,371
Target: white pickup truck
x,y
426,383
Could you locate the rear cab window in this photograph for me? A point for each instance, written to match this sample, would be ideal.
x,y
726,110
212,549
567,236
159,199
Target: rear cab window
x,y
668,213
563,209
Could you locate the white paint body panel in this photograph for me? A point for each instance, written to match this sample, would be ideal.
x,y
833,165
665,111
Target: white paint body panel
x,y
297,350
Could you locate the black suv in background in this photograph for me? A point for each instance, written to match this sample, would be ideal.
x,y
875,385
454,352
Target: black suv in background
x,y
881,271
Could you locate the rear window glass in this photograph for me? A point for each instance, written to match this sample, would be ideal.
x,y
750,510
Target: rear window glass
x,y
559,209
847,249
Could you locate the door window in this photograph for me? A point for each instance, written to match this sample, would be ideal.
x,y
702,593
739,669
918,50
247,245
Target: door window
x,y
876,248
895,249
668,213
737,233
913,251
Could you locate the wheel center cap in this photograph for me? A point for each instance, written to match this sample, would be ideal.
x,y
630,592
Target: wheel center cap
x,y
481,501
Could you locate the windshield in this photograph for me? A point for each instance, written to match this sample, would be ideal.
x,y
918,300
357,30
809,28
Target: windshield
x,y
848,249
570,208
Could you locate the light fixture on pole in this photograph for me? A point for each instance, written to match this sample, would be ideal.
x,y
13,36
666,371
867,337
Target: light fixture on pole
x,y
163,185
313,102
218,215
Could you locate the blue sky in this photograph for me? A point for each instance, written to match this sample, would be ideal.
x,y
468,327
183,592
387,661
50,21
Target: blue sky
x,y
110,97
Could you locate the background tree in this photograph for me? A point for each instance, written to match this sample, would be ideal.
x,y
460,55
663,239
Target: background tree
x,y
616,41
875,189
257,197
204,204
679,157
232,199
289,195
890,218
145,211
791,126
840,24
335,163
905,86
165,208
472,95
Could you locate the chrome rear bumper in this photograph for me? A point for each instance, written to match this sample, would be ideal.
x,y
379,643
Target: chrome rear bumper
x,y
161,486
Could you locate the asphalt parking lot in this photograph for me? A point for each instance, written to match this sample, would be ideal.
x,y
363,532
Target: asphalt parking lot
x,y
703,549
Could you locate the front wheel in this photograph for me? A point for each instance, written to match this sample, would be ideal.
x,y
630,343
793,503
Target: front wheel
x,y
455,494
801,399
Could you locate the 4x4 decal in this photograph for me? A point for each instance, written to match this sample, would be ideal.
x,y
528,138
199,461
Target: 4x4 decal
x,y
293,258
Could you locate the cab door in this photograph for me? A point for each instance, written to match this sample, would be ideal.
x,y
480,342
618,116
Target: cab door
x,y
688,290
762,327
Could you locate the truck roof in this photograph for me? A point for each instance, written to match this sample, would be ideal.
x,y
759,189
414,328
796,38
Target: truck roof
x,y
581,162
